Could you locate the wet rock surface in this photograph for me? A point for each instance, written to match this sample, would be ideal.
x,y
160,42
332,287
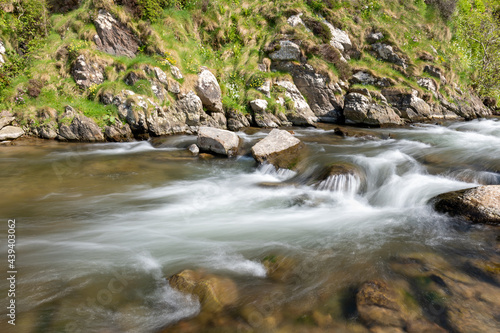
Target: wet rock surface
x,y
477,205
279,148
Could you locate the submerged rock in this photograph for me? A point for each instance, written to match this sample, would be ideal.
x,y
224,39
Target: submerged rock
x,y
279,148
214,292
218,141
477,205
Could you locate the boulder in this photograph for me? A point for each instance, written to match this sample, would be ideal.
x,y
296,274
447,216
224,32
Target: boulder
x,y
279,148
158,89
287,51
409,105
259,105
477,205
218,141
208,90
10,133
6,118
113,37
428,84
174,87
358,109
87,72
301,115
161,76
340,39
262,118
345,177
85,129
237,120
214,292
118,133
194,149
265,88
387,53
192,107
176,73
316,88
379,304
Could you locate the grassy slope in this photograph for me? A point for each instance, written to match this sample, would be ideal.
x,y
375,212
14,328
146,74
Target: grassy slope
x,y
228,37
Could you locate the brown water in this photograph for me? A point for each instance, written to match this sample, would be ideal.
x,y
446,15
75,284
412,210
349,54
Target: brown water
x,y
100,226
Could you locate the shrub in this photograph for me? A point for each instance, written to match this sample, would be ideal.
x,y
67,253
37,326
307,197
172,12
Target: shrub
x,y
319,29
34,88
446,7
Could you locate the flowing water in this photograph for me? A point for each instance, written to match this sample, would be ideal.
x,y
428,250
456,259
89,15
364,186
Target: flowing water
x,y
100,226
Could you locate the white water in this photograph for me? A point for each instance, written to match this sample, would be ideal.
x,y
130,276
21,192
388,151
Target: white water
x,y
162,212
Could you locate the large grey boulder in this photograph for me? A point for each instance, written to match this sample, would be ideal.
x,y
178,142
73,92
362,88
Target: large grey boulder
x,y
477,205
386,52
218,141
85,129
87,72
359,109
288,51
10,133
118,133
316,88
208,90
113,37
279,148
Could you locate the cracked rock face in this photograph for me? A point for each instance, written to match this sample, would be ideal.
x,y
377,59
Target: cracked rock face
x,y
114,38
86,72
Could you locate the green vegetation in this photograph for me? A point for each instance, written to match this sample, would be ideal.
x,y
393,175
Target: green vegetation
x,y
230,37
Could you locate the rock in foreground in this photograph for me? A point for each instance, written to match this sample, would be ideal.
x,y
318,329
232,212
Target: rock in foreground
x,y
477,205
280,148
214,292
218,141
10,133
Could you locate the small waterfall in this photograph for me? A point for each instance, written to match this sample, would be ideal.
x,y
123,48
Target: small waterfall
x,y
347,183
281,174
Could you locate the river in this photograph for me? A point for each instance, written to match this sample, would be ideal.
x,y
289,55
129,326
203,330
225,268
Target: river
x,y
99,227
